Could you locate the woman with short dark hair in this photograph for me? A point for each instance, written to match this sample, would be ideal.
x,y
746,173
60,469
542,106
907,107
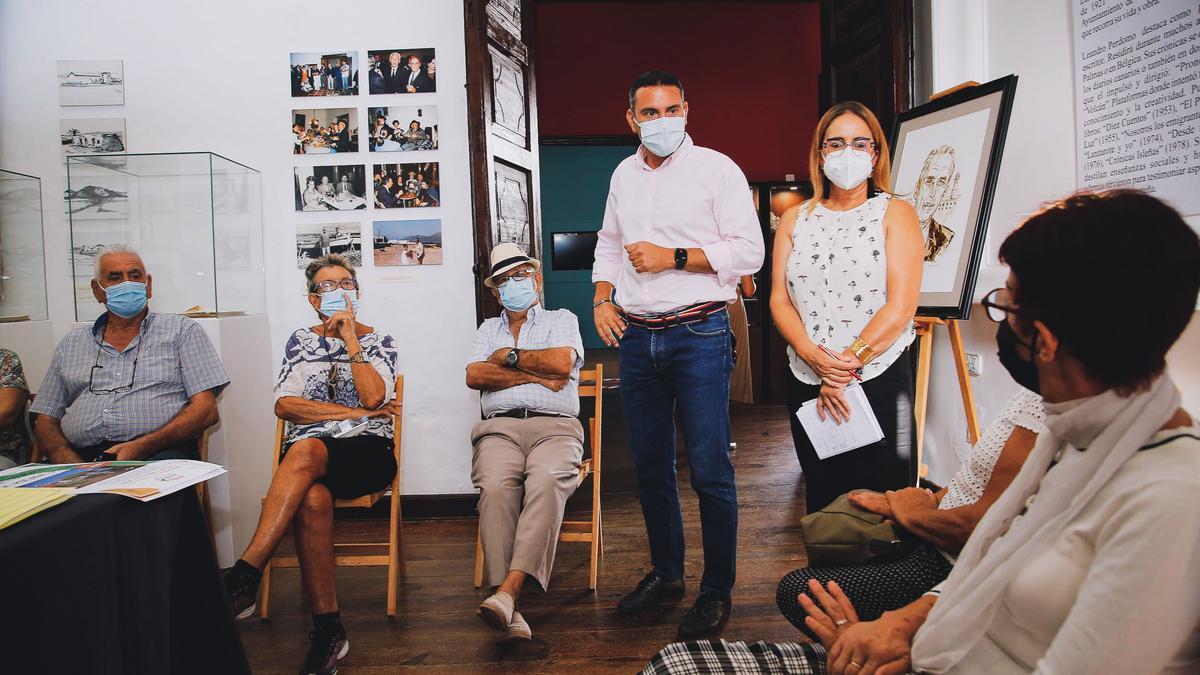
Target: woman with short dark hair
x,y
1088,561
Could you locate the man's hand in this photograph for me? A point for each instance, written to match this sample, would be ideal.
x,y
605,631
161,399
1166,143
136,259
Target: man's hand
x,y
392,407
610,325
411,89
497,356
873,502
129,451
647,257
551,383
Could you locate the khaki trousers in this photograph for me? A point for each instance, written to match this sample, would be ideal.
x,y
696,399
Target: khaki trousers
x,y
525,471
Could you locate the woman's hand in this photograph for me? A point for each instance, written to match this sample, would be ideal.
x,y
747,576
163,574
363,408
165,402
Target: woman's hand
x,y
832,401
342,322
903,502
835,615
874,502
832,369
882,647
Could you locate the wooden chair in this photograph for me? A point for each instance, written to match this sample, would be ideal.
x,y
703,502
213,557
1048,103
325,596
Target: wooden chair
x,y
394,558
591,383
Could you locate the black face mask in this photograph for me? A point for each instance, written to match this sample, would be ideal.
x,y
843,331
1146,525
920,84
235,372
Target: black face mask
x,y
1024,372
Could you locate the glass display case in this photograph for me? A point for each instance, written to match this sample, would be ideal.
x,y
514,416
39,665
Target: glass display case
x,y
195,218
22,253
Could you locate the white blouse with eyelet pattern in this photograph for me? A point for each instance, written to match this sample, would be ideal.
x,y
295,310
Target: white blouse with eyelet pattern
x,y
837,281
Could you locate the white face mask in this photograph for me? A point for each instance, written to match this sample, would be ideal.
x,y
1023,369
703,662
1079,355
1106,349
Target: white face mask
x,y
662,136
848,168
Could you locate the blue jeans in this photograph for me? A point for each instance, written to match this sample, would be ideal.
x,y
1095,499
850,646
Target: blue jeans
x,y
685,367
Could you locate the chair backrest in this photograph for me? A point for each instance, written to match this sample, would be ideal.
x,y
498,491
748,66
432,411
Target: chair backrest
x,y
591,384
397,428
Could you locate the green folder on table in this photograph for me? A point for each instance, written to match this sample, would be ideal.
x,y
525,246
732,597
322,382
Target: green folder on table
x,y
17,504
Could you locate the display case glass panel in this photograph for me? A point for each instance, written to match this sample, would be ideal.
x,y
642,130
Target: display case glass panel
x,y
22,253
195,218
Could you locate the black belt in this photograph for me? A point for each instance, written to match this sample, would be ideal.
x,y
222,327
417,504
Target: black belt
x,y
694,314
524,413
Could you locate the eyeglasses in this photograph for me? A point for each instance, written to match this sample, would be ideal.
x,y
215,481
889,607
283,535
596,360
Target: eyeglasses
x,y
999,303
118,390
835,144
519,276
344,284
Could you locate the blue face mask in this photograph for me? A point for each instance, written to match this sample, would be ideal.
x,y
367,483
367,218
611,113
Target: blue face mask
x,y
518,294
662,136
334,301
126,299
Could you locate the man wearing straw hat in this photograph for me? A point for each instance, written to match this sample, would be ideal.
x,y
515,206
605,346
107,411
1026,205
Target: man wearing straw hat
x,y
529,445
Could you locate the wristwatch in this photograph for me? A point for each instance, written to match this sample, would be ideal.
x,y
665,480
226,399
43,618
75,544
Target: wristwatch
x,y
512,358
680,258
357,357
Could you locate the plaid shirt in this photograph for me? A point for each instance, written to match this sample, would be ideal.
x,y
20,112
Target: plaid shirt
x,y
543,329
699,657
169,361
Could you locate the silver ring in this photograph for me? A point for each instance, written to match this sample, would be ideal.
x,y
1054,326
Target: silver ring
x,y
842,622
856,664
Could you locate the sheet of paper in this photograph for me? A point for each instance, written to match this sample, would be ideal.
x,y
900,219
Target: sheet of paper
x,y
141,480
830,438
17,504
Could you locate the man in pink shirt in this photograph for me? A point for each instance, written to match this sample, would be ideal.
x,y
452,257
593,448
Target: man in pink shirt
x,y
679,232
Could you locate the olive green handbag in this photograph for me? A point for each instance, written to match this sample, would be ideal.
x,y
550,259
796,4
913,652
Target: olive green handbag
x,y
843,534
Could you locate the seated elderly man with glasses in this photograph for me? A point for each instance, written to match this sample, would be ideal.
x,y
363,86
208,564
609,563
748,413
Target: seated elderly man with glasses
x,y
336,390
529,445
134,385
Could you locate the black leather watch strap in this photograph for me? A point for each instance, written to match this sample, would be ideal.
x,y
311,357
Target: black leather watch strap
x,y
680,258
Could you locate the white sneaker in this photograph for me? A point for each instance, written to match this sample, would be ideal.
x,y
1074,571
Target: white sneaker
x,y
497,611
517,629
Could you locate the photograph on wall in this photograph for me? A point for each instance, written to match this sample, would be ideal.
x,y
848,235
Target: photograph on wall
x,y
91,82
330,188
92,136
403,128
324,132
314,241
402,71
97,197
946,156
324,74
402,186
407,242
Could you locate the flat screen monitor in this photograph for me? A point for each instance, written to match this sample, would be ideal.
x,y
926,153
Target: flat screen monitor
x,y
574,250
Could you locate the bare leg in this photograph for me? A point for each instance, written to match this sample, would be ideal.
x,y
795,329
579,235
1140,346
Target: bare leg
x,y
314,546
303,464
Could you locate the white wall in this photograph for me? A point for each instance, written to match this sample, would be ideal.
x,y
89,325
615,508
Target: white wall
x,y
184,93
982,40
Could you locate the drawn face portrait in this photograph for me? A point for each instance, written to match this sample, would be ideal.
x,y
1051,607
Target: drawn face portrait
x,y
933,183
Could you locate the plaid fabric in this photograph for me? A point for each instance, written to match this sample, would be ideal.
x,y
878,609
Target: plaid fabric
x,y
544,329
174,361
718,656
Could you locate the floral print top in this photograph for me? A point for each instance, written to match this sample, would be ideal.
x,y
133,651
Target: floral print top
x,y
13,442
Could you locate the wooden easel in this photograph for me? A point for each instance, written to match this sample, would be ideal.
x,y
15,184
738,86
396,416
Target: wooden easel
x,y
924,327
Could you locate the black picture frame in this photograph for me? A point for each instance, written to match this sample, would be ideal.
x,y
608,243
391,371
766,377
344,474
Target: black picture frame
x,y
952,268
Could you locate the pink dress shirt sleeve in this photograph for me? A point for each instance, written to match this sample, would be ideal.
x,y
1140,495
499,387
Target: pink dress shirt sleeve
x,y
740,250
610,250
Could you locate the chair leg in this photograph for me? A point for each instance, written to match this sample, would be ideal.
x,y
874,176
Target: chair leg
x,y
264,600
596,546
478,561
393,555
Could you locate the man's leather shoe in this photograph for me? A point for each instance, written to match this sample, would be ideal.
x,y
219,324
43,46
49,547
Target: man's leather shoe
x,y
653,589
706,617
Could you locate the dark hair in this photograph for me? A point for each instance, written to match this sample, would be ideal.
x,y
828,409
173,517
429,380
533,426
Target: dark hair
x,y
1114,275
653,78
327,260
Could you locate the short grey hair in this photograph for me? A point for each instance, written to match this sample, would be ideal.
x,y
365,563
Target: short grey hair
x,y
327,260
112,249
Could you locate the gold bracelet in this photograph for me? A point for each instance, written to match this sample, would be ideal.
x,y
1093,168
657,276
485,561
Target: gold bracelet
x,y
862,350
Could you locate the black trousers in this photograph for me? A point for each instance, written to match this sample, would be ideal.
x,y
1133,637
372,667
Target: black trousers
x,y
887,465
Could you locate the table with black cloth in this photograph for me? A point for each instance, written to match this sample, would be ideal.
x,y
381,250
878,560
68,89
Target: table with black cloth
x,y
107,584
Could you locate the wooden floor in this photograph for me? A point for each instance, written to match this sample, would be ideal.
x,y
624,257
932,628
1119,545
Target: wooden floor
x,y
575,631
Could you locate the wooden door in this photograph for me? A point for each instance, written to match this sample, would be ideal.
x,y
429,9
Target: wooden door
x,y
867,55
503,136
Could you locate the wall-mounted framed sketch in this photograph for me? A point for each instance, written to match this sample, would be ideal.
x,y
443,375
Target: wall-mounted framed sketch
x,y
324,74
330,188
402,128
946,158
402,71
91,82
402,186
92,136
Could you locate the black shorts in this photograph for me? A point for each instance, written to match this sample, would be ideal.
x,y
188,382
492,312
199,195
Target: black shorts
x,y
357,466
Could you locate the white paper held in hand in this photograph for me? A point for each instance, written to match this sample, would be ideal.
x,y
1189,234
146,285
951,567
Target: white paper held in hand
x,y
830,438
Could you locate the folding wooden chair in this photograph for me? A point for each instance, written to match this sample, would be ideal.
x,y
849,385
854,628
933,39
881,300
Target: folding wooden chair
x,y
394,558
591,384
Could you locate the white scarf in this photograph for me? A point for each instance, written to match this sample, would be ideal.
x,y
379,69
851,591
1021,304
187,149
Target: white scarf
x,y
1111,429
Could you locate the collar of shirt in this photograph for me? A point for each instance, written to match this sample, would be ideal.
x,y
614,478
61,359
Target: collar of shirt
x,y
679,155
531,315
102,320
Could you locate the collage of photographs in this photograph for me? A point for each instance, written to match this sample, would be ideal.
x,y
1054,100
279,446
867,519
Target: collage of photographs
x,y
392,123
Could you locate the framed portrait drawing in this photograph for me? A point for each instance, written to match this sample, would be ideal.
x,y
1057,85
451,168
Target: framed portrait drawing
x,y
946,158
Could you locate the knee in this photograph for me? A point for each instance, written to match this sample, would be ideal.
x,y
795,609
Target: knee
x,y
316,503
308,455
791,586
545,482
